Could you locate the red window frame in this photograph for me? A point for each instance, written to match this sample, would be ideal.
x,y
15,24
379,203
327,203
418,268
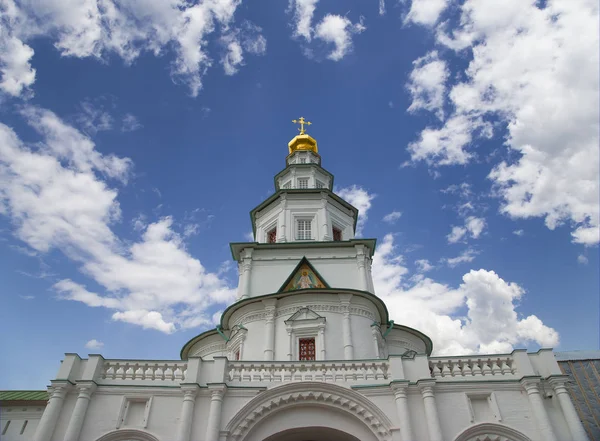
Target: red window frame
x,y
307,349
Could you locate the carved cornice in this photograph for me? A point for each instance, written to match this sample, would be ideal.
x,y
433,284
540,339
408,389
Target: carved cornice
x,y
209,349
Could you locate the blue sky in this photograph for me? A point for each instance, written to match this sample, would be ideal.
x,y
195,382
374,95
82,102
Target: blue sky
x,y
136,138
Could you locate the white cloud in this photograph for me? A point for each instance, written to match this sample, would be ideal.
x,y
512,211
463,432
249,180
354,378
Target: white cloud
x,y
456,235
58,196
236,42
130,123
94,118
475,226
426,12
427,84
126,28
491,323
249,236
333,29
534,70
15,66
94,344
27,297
423,265
392,217
582,259
466,256
381,7
519,232
338,30
359,198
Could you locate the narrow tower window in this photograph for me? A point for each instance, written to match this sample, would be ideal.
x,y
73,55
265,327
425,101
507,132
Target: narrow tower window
x,y
287,185
302,182
320,184
306,349
303,229
272,236
23,428
5,428
337,234
302,160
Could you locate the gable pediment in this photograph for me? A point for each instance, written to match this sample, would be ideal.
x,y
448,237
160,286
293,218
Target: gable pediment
x,y
304,314
304,276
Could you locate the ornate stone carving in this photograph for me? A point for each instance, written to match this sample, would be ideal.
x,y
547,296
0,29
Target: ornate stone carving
x,y
317,394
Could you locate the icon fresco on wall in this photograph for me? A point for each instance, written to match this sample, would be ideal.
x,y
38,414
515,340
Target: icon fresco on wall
x,y
304,278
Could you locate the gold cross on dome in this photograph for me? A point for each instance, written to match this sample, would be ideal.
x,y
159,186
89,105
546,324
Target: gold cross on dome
x,y
301,121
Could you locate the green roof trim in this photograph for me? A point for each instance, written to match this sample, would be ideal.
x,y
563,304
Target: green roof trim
x,y
23,395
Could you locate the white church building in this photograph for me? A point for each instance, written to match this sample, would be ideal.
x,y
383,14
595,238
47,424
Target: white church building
x,y
306,353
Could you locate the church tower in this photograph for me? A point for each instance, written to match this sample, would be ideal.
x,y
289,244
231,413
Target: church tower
x,y
305,287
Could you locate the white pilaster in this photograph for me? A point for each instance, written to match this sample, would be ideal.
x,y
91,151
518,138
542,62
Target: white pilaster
x,y
431,413
346,326
270,305
245,270
281,222
45,428
322,341
401,398
362,267
374,331
575,427
290,333
213,426
532,387
324,223
186,417
85,392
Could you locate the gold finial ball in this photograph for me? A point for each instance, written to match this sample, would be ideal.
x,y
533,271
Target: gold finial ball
x,y
303,141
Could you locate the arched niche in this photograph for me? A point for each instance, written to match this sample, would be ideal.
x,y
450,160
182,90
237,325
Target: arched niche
x,y
315,433
491,432
308,405
127,435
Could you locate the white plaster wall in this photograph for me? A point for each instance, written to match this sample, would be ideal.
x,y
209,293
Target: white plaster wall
x,y
271,268
209,347
304,205
17,415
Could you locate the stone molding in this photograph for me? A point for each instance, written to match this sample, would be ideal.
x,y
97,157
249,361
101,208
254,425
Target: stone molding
x,y
309,393
214,347
289,310
491,432
128,435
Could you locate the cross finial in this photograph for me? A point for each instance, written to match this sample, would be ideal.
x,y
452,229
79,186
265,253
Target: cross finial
x,y
301,121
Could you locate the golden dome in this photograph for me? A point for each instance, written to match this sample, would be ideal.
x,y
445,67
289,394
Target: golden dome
x,y
303,141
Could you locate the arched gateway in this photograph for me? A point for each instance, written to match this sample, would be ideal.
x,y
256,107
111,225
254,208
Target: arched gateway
x,y
310,411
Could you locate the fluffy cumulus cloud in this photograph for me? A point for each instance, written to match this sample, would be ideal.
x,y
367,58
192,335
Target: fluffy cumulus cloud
x,y
126,28
427,84
334,30
473,228
491,323
359,198
94,344
533,78
392,217
426,12
58,195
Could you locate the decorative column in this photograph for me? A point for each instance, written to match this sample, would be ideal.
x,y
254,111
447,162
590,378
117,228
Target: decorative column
x,y
186,417
370,275
362,267
245,268
431,414
281,227
213,426
532,387
374,331
401,398
326,231
575,427
244,333
290,333
45,428
77,417
322,341
269,328
346,326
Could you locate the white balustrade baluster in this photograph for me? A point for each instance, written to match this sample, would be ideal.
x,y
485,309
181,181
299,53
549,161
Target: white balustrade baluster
x,y
129,371
446,368
476,367
466,368
496,369
456,371
486,369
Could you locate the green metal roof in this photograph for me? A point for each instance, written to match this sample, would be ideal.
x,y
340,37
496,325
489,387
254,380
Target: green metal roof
x,y
23,395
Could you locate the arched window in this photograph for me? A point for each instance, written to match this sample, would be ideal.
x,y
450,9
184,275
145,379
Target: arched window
x,y
128,435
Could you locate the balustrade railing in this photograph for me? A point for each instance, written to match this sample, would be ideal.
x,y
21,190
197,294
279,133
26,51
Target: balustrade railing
x,y
143,370
472,367
240,371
